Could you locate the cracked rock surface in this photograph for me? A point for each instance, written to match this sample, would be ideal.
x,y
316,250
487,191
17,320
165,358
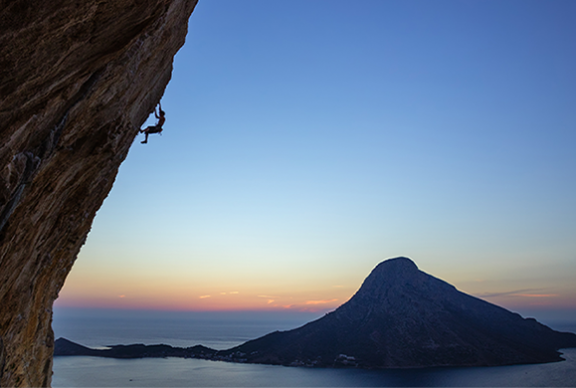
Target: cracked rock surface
x,y
77,80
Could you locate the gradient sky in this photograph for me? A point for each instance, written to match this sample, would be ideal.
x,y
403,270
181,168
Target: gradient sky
x,y
306,141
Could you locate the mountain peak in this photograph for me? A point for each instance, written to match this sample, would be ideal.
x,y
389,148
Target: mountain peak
x,y
398,265
393,277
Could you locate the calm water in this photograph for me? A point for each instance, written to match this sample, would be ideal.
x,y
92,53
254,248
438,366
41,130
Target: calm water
x,y
225,330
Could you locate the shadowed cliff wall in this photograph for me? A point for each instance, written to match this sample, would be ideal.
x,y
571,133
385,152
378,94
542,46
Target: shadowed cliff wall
x,y
77,80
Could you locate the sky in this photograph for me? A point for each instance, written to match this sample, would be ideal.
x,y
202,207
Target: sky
x,y
307,141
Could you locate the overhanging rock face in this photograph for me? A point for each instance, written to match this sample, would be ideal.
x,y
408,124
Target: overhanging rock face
x,y
77,80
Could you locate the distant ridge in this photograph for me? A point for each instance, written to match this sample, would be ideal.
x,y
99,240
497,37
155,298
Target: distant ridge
x,y
65,347
402,317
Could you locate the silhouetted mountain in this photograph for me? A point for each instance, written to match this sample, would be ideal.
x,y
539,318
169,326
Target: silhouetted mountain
x,y
402,317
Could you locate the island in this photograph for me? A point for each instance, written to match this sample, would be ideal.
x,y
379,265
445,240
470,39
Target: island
x,y
400,317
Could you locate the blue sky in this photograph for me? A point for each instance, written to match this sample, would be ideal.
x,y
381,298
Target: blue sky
x,y
307,141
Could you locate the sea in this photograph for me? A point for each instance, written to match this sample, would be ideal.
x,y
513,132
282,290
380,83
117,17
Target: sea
x,y
221,330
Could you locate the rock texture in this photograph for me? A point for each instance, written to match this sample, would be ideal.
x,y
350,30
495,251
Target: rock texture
x,y
77,80
402,317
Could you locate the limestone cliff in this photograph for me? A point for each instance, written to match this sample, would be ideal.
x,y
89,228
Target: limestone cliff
x,y
77,79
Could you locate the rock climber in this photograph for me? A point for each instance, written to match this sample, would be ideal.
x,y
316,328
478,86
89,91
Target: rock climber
x,y
155,128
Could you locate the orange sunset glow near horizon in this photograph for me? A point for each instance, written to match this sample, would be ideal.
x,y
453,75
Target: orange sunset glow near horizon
x,y
182,294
